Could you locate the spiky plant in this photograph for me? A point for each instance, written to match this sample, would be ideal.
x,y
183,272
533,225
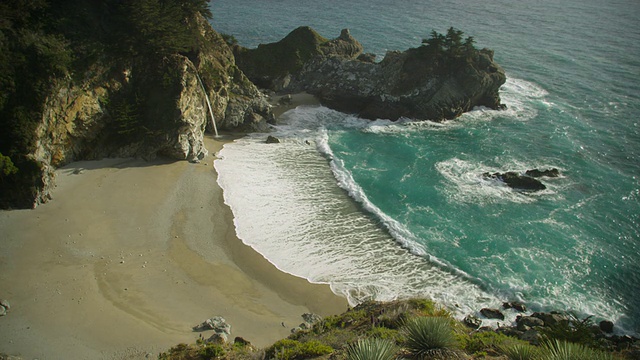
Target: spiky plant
x,y
520,351
429,337
564,350
372,349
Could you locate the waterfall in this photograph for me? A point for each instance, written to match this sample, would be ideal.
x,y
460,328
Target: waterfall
x,y
206,97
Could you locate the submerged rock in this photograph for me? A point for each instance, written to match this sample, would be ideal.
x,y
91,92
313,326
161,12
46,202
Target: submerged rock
x,y
517,181
546,173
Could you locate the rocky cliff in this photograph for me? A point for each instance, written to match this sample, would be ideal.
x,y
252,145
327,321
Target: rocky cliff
x,y
420,83
145,107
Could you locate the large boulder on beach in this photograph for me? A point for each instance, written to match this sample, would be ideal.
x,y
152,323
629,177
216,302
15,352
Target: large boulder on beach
x,y
217,323
420,83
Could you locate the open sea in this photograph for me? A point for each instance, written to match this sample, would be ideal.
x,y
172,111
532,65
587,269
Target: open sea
x,y
382,210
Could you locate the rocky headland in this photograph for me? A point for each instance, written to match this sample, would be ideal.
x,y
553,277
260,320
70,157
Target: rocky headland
x,y
439,80
142,106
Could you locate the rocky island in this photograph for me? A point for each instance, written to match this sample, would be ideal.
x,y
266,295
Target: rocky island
x,y
440,80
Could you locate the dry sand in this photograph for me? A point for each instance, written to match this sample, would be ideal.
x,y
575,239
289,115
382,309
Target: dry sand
x,y
128,256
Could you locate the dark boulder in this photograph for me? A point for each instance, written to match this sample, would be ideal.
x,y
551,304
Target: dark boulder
x,y
272,140
525,323
606,326
517,181
472,321
552,318
492,313
518,306
546,173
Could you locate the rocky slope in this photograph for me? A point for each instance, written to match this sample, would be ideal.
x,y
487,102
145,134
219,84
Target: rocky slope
x,y
144,108
419,83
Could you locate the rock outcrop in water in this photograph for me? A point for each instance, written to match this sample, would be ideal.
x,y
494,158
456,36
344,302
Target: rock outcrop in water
x,y
428,82
526,181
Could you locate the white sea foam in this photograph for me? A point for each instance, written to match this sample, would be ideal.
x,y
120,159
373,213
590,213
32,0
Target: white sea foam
x,y
287,206
466,183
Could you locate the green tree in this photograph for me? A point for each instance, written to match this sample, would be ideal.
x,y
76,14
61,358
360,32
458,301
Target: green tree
x,y
6,166
436,42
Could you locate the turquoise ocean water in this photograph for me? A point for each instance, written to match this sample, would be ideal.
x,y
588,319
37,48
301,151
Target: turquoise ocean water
x,y
390,210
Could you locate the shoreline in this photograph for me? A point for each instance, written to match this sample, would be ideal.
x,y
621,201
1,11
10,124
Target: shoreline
x,y
129,255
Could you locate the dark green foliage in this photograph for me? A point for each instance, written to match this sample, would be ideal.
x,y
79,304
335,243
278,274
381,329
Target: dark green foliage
x,y
448,52
229,39
520,351
211,351
287,349
487,341
574,330
427,335
46,44
6,167
564,350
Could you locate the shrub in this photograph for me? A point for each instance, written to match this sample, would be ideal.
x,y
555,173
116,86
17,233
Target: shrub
x,y
427,336
211,351
481,341
564,350
372,349
381,332
287,349
574,330
429,308
519,351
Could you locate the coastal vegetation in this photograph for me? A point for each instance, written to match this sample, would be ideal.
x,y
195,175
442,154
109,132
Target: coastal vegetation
x,y
46,45
413,329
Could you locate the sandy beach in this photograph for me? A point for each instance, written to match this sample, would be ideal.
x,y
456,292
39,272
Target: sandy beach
x,y
128,256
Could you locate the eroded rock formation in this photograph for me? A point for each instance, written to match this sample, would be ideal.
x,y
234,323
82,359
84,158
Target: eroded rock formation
x,y
419,83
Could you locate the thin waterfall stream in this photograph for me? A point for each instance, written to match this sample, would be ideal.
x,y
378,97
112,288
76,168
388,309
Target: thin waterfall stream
x,y
206,97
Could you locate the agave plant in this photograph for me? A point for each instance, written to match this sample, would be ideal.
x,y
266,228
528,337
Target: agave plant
x,y
564,350
520,351
372,349
430,337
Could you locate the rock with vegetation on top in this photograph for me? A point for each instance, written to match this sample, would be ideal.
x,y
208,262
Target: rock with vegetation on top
x,y
133,96
439,80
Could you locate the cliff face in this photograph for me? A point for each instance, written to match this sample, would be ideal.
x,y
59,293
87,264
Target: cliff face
x,y
146,108
418,83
